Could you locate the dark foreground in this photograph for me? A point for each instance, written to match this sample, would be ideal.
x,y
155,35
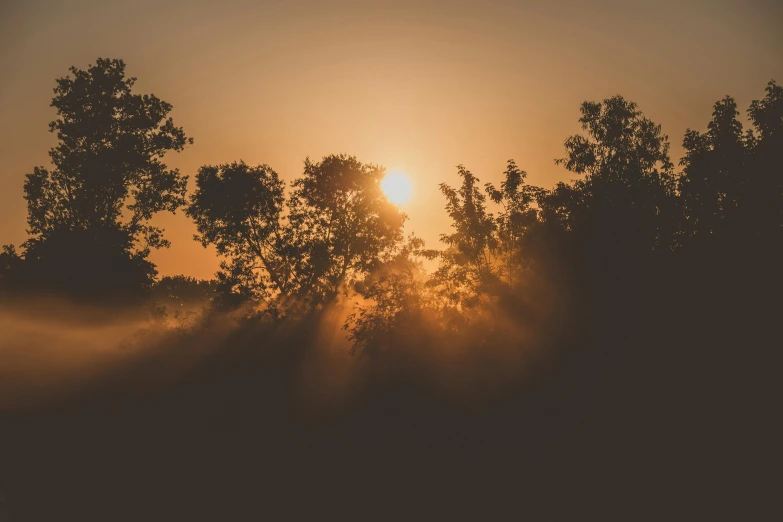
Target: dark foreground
x,y
658,416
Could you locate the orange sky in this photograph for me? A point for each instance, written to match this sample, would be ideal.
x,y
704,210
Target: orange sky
x,y
416,85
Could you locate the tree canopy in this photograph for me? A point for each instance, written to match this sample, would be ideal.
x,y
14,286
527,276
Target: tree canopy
x,y
107,181
330,233
732,182
108,161
332,229
626,197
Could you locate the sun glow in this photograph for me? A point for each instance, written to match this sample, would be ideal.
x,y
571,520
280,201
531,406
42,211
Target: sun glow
x,y
397,187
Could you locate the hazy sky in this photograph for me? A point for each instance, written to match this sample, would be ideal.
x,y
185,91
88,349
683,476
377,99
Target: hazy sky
x,y
416,85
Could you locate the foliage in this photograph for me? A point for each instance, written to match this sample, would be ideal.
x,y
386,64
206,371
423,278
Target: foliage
x,y
238,209
714,171
518,217
332,234
334,228
467,266
341,224
181,298
765,190
96,263
626,200
108,159
731,183
182,290
107,180
394,299
10,261
394,306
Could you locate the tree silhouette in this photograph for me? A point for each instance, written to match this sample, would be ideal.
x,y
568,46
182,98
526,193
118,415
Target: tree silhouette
x,y
332,232
238,209
714,172
108,180
98,263
731,185
467,269
110,150
519,215
341,224
395,297
182,289
335,227
626,200
765,189
10,261
181,297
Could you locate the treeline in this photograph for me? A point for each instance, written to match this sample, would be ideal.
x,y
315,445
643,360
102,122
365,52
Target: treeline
x,y
630,235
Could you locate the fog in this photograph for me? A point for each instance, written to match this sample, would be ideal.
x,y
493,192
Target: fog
x,y
54,351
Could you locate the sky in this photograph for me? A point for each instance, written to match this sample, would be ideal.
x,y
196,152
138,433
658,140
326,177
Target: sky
x,y
419,86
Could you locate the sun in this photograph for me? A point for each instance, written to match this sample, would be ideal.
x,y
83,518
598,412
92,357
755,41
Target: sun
x,y
397,187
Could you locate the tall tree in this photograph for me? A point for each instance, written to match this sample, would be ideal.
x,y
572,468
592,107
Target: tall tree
x,y
626,198
395,298
467,268
518,216
108,178
715,173
238,208
108,161
335,227
340,224
765,191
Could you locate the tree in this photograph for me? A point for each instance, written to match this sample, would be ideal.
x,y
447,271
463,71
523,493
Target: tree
x,y
626,200
714,172
93,264
182,290
467,266
108,178
181,298
335,227
395,299
9,266
341,224
765,191
732,182
238,209
518,216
